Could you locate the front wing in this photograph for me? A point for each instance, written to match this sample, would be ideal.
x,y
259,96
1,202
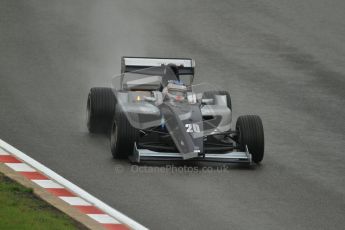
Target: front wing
x,y
140,155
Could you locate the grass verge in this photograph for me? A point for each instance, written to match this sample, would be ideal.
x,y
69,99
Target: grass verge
x,y
21,209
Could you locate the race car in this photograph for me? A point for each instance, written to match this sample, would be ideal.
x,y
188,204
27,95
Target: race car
x,y
153,111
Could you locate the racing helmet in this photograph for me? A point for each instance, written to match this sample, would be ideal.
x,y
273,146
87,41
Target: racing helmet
x,y
175,90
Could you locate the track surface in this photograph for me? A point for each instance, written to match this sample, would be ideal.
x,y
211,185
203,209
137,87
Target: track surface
x,y
283,60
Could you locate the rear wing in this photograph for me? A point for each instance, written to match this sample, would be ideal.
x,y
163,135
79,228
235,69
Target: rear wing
x,y
130,64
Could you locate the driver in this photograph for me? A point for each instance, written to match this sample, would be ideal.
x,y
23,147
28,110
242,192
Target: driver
x,y
175,91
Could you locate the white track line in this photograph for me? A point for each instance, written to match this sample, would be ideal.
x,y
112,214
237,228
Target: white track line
x,y
80,192
3,152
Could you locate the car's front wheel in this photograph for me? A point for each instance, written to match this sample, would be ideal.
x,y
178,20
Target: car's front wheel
x,y
100,109
123,135
251,134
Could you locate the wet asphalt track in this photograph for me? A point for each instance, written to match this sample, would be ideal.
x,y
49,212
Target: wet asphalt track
x,y
282,60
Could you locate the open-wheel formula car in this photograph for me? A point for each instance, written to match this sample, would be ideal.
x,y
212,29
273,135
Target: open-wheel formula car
x,y
155,112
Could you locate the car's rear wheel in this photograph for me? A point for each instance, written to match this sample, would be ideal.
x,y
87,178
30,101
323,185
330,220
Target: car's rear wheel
x,y
100,109
251,134
212,95
123,135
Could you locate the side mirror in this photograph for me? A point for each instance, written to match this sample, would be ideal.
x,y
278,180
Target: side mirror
x,y
150,99
207,101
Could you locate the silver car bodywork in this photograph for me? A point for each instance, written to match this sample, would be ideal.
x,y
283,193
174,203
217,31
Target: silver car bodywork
x,y
142,95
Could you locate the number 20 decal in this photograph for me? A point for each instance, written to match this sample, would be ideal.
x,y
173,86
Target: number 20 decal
x,y
192,128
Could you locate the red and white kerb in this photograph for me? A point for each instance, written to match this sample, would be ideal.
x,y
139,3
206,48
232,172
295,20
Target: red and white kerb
x,y
61,192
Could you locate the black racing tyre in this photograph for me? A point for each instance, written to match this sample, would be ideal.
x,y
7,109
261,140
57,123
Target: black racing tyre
x,y
212,94
251,134
122,135
100,109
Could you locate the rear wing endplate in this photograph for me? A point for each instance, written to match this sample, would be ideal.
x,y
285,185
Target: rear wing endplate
x,y
130,64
